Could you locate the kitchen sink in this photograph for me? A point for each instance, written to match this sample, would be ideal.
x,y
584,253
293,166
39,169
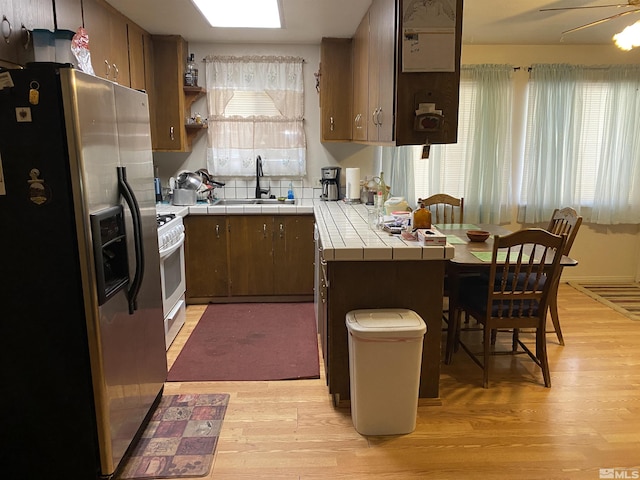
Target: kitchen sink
x,y
252,201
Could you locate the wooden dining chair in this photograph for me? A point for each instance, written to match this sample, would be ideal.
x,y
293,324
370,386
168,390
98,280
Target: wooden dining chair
x,y
444,208
513,295
563,221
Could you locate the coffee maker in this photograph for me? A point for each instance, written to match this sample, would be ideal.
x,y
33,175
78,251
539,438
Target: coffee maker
x,y
330,183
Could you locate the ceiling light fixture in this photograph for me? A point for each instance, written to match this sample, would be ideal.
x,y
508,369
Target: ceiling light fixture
x,y
241,13
628,38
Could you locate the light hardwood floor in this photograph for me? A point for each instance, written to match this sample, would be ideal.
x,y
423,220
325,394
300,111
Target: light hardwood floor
x,y
517,429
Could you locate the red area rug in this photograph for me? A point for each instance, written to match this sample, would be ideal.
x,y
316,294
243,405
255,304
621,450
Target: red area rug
x,y
250,341
180,439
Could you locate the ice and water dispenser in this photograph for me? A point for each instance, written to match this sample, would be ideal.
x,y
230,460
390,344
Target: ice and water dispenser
x,y
110,252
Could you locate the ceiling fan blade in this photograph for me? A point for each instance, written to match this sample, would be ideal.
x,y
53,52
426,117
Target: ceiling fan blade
x,y
619,5
598,22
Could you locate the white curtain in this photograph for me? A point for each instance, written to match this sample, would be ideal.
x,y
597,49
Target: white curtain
x,y
478,167
617,193
235,141
398,161
582,147
550,176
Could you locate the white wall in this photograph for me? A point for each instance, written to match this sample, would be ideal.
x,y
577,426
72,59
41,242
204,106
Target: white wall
x,y
318,155
604,253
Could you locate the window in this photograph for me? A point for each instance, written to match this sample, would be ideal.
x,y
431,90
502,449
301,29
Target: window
x,y
478,167
256,107
582,148
250,104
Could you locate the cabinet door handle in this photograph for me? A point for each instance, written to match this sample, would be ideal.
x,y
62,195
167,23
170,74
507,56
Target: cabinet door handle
x,y
323,266
281,230
107,68
26,34
171,136
7,29
115,72
217,230
331,124
264,230
380,117
374,116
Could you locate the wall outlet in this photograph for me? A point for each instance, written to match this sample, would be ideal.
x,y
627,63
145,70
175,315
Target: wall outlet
x,y
317,181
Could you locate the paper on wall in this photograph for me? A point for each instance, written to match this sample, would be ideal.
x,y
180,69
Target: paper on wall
x,y
429,52
428,36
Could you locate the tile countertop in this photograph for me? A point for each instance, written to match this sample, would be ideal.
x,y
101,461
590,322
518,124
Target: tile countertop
x,y
343,228
346,236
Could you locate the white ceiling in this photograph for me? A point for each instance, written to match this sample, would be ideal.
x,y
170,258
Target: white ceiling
x,y
513,22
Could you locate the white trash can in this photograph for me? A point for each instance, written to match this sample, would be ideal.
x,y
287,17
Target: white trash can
x,y
385,356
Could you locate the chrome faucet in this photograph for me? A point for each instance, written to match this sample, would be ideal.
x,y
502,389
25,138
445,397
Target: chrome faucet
x,y
260,191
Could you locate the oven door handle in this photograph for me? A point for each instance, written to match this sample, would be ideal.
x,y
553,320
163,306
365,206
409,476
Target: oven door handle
x,y
165,252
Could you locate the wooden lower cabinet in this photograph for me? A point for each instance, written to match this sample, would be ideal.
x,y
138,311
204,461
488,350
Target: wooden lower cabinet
x,y
207,272
249,258
251,255
293,255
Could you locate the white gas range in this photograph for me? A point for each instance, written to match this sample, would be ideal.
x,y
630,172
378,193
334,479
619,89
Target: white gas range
x,y
172,272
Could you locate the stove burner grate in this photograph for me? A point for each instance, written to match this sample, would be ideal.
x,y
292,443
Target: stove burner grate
x,y
161,219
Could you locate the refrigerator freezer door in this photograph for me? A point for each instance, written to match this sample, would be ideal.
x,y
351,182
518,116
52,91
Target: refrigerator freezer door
x,y
128,358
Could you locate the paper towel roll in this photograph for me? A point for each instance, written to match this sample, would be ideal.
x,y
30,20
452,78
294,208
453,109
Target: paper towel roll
x,y
353,184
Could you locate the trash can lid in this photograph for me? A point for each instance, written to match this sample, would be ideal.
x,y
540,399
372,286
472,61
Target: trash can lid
x,y
385,322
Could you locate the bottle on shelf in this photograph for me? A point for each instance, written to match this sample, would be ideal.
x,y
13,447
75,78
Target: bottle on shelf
x,y
191,72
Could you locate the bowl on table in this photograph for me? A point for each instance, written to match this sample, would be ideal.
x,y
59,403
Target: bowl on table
x,y
478,235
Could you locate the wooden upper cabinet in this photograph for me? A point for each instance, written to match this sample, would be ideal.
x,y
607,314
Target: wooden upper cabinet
x,y
8,52
107,30
137,64
382,43
33,14
171,100
360,64
167,123
335,88
384,97
19,18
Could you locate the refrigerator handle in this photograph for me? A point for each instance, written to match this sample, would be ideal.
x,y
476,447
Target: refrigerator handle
x,y
127,192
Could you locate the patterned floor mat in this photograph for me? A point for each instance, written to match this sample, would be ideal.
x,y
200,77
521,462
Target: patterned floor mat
x,y
622,297
180,440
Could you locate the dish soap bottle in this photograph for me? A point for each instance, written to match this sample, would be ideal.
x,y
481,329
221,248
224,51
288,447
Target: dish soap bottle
x,y
421,217
290,192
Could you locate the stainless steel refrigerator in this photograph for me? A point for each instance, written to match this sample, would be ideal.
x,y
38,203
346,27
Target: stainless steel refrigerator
x,y
83,357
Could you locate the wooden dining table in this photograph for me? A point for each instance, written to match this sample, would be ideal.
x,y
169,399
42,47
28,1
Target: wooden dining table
x,y
472,258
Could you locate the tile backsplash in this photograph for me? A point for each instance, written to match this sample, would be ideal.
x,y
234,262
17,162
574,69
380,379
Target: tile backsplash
x,y
240,188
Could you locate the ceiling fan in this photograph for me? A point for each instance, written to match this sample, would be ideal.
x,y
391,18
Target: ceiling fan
x,y
633,5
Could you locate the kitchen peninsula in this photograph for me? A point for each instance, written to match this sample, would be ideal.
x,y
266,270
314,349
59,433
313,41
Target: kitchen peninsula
x,y
365,268
357,267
